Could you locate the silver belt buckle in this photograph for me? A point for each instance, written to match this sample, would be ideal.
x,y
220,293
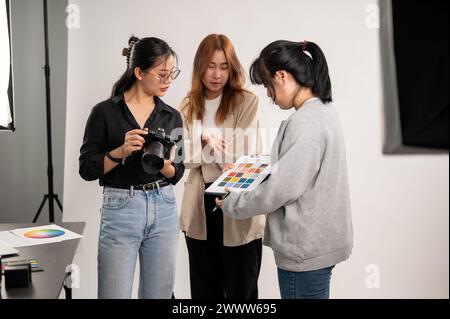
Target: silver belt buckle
x,y
151,186
147,187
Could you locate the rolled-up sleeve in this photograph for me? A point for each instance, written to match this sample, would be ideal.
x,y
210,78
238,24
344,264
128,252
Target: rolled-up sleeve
x,y
178,163
92,152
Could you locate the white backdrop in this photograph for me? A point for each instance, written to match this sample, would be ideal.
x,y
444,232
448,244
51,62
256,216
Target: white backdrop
x,y
400,203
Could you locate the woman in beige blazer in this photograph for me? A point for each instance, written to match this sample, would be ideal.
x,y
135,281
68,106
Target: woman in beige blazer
x,y
220,119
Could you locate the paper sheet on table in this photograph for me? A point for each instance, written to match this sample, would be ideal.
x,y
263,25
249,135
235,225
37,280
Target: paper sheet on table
x,y
13,240
6,250
45,234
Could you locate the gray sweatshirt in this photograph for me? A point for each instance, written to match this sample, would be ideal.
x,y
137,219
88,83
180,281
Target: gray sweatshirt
x,y
306,198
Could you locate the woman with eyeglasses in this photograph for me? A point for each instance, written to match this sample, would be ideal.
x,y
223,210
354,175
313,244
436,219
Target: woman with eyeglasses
x,y
139,214
309,226
221,122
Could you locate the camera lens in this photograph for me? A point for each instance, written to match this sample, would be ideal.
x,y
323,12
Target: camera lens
x,y
153,158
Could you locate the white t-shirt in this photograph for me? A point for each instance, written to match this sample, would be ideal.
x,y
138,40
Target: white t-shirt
x,y
209,125
209,121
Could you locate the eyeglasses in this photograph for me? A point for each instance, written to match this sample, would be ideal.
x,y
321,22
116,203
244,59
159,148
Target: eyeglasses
x,y
164,78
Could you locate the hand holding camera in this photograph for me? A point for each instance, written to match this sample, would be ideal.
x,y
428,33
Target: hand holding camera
x,y
134,141
159,151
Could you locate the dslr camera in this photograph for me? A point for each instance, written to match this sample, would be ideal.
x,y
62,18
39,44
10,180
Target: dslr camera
x,y
157,148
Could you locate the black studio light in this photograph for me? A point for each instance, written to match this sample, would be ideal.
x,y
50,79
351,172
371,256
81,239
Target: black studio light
x,y
6,70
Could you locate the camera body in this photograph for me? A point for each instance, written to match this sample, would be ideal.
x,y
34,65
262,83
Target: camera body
x,y
156,147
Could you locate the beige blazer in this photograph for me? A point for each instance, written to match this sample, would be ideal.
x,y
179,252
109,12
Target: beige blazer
x,y
241,131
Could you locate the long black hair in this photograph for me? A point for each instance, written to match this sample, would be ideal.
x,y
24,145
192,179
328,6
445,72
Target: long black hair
x,y
143,53
304,60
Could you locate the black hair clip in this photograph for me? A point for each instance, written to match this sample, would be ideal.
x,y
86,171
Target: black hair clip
x,y
304,44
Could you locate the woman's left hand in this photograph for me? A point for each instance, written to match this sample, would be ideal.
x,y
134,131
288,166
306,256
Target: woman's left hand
x,y
219,202
167,164
168,170
173,153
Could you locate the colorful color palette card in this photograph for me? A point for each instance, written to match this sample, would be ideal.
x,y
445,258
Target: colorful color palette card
x,y
247,174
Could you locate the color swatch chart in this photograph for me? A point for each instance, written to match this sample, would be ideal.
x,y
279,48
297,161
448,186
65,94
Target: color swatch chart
x,y
247,174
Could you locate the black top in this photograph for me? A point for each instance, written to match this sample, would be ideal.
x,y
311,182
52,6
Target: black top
x,y
105,131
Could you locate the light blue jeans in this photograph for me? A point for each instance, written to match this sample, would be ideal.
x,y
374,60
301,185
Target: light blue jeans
x,y
137,223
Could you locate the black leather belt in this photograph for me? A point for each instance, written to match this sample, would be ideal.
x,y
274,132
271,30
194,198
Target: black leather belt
x,y
145,187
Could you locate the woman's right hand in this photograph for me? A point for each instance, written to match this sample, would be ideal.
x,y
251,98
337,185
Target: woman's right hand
x,y
133,141
228,167
216,145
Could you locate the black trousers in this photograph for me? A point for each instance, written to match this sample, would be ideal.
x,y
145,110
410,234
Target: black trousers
x,y
219,272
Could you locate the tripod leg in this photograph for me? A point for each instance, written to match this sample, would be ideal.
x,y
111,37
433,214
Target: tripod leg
x,y
40,209
59,203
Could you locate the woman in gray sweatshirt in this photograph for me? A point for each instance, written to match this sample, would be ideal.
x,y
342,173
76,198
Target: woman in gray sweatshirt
x,y
306,198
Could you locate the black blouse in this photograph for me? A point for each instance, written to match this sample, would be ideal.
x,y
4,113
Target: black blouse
x,y
105,131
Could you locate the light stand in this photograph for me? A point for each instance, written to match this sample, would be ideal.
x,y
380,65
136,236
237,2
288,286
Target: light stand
x,y
51,196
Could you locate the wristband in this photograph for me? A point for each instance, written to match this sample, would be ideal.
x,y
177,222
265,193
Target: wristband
x,y
116,160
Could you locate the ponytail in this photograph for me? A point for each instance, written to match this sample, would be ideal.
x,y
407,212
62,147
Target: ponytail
x,y
322,82
128,78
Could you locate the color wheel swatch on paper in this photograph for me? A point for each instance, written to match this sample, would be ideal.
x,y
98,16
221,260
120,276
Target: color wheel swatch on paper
x,y
47,234
247,174
44,233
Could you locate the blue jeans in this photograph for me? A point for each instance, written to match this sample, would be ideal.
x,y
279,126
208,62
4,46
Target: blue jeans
x,y
305,285
137,223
